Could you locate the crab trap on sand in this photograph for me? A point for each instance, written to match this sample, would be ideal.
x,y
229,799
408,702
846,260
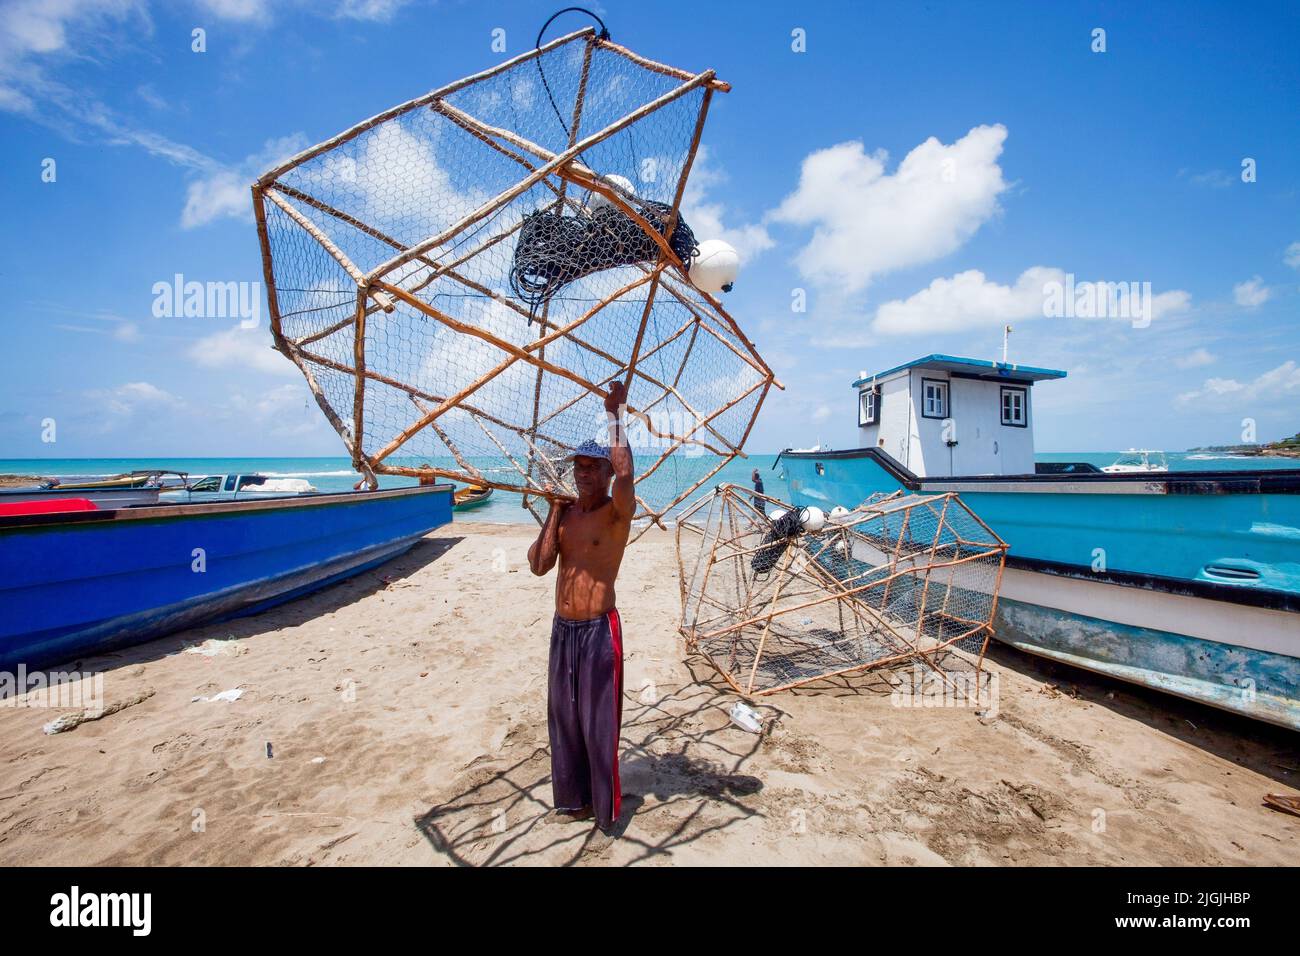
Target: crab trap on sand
x,y
776,601
459,278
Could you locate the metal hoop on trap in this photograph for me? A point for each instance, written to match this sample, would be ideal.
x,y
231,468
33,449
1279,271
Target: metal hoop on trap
x,y
388,250
900,578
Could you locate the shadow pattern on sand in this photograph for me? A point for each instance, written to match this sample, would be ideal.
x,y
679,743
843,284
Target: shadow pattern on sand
x,y
681,769
1270,751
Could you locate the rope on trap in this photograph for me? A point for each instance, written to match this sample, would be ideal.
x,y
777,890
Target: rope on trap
x,y
554,249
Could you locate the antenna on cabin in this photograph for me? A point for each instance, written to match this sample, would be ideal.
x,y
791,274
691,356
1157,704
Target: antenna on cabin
x,y
1006,338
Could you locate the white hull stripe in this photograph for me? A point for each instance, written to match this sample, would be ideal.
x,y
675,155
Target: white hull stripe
x,y
1236,625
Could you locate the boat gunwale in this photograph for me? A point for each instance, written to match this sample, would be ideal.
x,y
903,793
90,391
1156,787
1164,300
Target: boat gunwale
x,y
213,508
1209,482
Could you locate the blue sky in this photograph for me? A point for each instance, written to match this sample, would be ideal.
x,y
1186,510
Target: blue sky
x,y
919,170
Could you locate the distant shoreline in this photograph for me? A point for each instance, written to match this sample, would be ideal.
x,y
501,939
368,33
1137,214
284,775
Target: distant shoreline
x,y
1255,451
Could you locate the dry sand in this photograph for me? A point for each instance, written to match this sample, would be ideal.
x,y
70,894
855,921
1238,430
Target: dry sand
x,y
422,687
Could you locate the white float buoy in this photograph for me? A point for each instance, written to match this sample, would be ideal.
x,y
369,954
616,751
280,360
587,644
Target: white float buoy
x,y
601,201
839,513
812,518
715,266
777,515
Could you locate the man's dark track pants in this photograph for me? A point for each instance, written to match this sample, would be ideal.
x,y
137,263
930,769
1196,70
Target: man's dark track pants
x,y
585,714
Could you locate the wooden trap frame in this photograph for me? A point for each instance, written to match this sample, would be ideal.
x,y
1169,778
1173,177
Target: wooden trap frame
x,y
901,578
388,253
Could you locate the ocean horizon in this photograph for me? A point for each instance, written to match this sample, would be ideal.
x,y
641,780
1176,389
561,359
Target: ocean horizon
x,y
328,473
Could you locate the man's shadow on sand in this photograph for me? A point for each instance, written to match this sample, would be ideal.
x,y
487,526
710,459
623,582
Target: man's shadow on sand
x,y
501,813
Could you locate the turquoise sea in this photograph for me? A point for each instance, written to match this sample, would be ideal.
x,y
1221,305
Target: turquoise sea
x,y
336,474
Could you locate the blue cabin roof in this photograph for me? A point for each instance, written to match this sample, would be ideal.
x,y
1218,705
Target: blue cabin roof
x,y
981,368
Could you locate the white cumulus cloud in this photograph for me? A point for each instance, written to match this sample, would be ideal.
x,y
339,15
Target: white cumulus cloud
x,y
238,10
381,11
970,300
119,405
35,30
1282,381
224,192
42,26
241,348
39,37
706,216
867,222
1251,293
967,300
260,11
1197,359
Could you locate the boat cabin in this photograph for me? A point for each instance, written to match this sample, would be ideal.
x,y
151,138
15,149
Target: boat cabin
x,y
942,415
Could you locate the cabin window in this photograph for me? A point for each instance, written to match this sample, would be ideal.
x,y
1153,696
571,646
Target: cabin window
x,y
1014,403
212,483
934,398
869,406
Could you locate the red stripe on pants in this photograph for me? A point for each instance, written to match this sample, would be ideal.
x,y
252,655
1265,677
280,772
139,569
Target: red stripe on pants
x,y
616,638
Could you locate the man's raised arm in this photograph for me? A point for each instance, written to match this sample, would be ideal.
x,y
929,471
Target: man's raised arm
x,y
620,453
545,550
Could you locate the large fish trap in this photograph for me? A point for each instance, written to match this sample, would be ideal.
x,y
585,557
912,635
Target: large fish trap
x,y
459,278
783,599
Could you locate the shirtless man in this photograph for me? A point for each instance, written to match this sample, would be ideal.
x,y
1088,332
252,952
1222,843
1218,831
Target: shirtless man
x,y
585,690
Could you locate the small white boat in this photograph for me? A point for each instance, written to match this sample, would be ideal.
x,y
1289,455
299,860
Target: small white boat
x,y
236,487
810,451
1138,460
116,491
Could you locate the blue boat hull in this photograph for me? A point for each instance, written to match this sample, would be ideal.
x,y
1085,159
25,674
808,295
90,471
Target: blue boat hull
x,y
1187,582
73,585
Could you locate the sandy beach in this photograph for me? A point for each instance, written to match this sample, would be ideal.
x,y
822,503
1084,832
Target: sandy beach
x,y
405,712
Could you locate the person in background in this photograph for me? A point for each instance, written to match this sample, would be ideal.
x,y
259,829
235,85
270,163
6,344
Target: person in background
x,y
759,503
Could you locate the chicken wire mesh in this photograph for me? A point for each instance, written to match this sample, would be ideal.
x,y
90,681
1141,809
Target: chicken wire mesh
x,y
460,277
782,599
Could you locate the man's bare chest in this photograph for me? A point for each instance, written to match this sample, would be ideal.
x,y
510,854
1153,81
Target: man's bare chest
x,y
587,535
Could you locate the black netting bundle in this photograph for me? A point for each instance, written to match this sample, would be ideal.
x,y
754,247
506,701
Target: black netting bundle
x,y
783,529
554,249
